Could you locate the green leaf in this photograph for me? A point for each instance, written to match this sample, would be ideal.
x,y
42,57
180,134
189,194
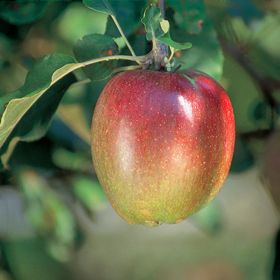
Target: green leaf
x,y
27,118
152,19
89,192
48,213
102,6
189,15
71,160
94,46
264,50
128,14
260,41
209,218
27,154
68,112
244,95
158,28
166,39
206,53
22,12
28,259
77,20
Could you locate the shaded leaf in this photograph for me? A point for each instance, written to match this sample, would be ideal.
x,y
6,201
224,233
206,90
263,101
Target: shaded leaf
x,y
74,111
22,12
206,54
242,157
27,118
264,49
94,46
244,95
102,6
28,259
276,260
37,154
128,14
189,15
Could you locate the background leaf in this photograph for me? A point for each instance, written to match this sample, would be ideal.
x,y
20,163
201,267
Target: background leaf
x,y
158,28
103,6
206,54
94,46
22,12
240,86
128,14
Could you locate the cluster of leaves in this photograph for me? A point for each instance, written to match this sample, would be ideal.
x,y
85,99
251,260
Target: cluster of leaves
x,y
44,128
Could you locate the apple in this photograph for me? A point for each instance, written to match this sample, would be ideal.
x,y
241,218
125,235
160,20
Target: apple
x,y
162,143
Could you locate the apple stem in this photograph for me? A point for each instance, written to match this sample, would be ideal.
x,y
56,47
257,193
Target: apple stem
x,y
160,50
161,5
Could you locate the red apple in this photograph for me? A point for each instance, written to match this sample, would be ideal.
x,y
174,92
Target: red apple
x,y
162,143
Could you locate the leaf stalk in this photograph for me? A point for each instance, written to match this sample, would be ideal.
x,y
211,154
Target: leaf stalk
x,y
123,35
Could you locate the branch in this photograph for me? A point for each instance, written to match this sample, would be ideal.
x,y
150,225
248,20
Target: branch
x,y
161,5
256,134
160,50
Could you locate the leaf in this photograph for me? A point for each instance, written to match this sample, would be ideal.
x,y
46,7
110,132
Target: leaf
x,y
236,31
28,259
72,160
128,14
260,41
206,54
248,10
27,118
77,20
276,258
75,111
94,46
189,15
22,12
264,50
244,95
151,19
48,213
89,192
102,6
209,218
166,39
158,28
27,154
242,157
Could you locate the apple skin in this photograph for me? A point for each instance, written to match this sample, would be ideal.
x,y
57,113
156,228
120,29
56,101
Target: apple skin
x,y
162,143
